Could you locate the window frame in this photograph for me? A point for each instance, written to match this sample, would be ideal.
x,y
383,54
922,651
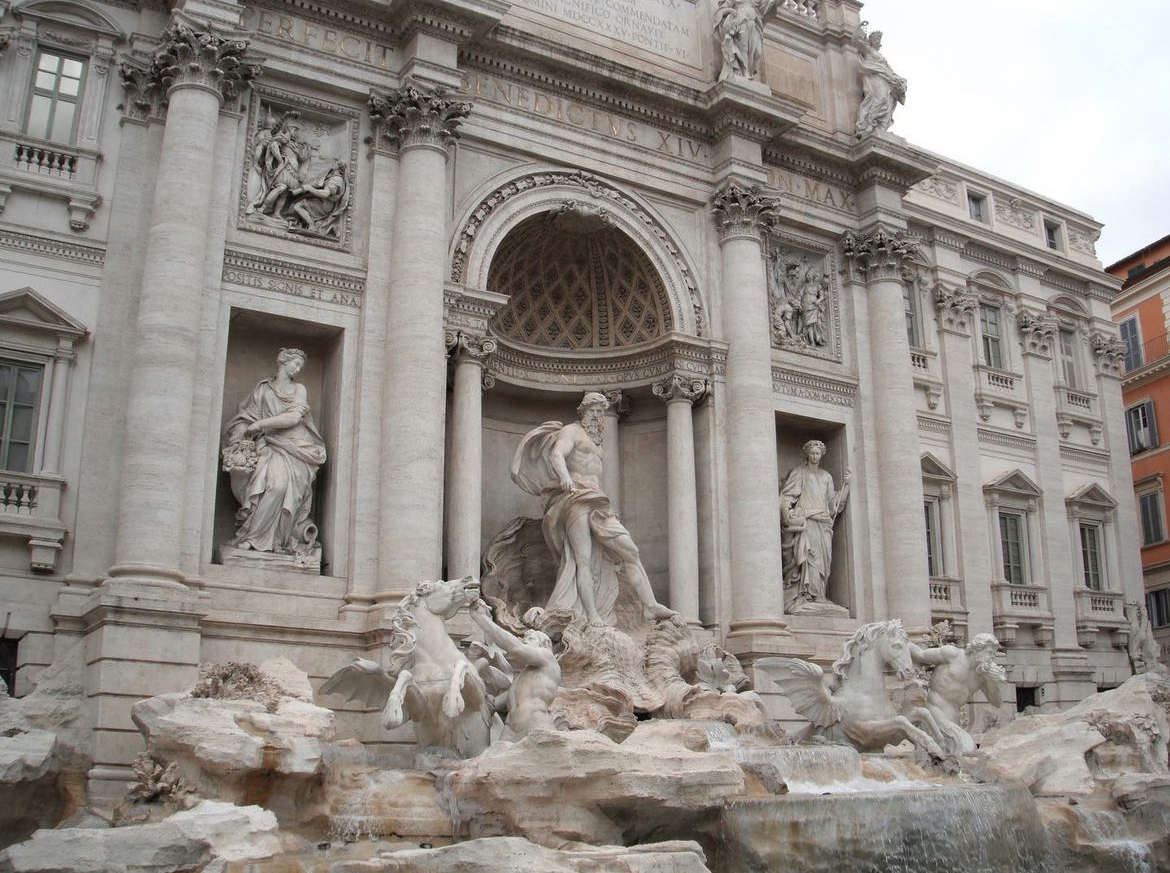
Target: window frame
x,y
1144,409
54,95
977,203
1068,364
39,405
912,306
1053,234
1094,572
1134,356
985,346
1014,494
1158,606
1025,563
1155,498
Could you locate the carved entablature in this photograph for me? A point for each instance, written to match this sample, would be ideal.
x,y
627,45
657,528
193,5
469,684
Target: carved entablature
x,y
743,211
677,387
1109,353
204,58
879,254
298,172
810,386
416,115
955,307
803,301
1036,333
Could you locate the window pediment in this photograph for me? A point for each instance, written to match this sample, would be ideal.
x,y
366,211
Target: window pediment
x,y
1013,484
1090,497
80,16
934,470
28,312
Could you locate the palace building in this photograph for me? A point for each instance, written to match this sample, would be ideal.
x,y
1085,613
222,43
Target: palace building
x,y
466,214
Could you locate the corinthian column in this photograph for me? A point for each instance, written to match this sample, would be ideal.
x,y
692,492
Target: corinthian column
x,y
876,260
198,70
682,534
465,476
757,603
421,123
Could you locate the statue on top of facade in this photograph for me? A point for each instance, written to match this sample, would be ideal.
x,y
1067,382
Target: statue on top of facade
x,y
881,88
561,464
272,451
957,674
809,506
739,26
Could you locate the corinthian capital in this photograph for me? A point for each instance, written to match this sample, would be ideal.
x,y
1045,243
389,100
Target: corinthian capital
x,y
741,211
1110,354
679,387
416,115
955,307
879,254
203,58
1036,333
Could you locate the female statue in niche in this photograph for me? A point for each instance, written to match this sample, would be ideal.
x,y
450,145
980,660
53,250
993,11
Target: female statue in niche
x,y
272,450
809,506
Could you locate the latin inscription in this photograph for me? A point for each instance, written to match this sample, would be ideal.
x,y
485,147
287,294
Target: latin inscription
x,y
567,110
293,289
307,34
810,189
665,27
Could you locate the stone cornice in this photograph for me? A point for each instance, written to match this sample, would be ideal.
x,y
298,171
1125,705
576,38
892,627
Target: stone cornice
x,y
53,248
451,20
888,162
813,386
416,115
607,369
736,108
808,162
743,211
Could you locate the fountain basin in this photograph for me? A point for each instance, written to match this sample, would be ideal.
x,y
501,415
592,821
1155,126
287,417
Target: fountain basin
x,y
960,829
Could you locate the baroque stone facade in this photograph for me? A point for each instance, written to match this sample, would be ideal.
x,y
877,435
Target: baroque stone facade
x,y
466,215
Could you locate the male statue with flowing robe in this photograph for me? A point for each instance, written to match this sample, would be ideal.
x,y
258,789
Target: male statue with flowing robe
x,y
561,464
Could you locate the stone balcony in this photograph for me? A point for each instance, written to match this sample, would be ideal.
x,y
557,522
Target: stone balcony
x,y
995,387
30,509
946,602
1076,406
1101,612
1016,606
50,169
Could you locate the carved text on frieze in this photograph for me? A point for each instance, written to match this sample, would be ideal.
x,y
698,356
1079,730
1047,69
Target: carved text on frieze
x,y
810,189
666,27
306,34
569,111
291,288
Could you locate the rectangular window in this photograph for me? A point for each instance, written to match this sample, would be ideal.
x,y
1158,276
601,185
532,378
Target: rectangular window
x,y
934,555
56,97
1066,350
1013,541
1141,427
1091,563
1052,234
1158,607
910,304
20,389
989,328
1153,523
977,207
1131,336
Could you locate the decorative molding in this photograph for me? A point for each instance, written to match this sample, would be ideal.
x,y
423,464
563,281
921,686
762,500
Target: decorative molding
x,y
879,254
940,188
469,311
53,248
934,425
297,279
468,347
1083,241
984,255
677,387
743,211
1014,212
810,386
416,115
1084,456
955,307
1108,354
1037,333
1007,440
203,58
598,188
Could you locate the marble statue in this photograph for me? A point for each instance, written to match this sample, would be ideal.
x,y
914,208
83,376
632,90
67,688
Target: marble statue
x,y
881,88
956,675
272,451
1143,650
739,26
321,203
536,675
798,294
429,681
809,506
859,704
561,463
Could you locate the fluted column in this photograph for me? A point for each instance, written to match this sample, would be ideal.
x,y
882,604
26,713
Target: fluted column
x,y
465,475
876,260
611,470
682,535
753,485
198,70
421,122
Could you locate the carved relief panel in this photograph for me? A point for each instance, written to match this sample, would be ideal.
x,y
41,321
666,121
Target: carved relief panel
x,y
298,169
802,301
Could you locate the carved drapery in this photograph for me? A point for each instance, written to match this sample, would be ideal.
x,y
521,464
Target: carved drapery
x,y
679,387
203,58
1036,333
1109,353
743,211
956,307
879,254
415,115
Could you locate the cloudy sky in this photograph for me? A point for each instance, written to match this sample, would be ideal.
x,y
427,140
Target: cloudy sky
x,y
1068,98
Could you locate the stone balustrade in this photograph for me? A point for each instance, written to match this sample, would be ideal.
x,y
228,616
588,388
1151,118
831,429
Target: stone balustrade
x,y
30,508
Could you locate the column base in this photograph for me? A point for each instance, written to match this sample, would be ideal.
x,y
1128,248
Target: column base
x,y
146,575
759,638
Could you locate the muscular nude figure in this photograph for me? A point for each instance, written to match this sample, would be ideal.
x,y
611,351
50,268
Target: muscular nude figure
x,y
958,674
562,464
